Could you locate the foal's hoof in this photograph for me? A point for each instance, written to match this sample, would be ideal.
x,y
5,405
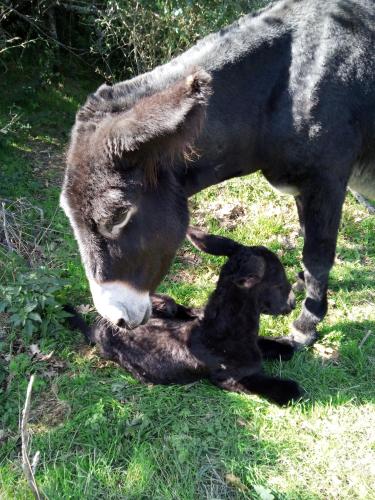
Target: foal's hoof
x,y
286,349
163,306
288,391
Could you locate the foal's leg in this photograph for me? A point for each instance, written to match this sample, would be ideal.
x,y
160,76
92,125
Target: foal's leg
x,y
276,348
277,390
319,210
164,306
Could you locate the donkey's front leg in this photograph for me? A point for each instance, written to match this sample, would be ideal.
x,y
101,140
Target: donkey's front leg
x,y
319,209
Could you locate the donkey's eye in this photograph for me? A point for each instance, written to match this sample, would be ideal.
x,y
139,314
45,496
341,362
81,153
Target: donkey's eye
x,y
111,228
118,218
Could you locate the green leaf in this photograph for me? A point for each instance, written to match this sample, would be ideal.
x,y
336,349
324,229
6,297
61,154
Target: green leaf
x,y
15,319
35,317
263,493
28,328
30,307
3,305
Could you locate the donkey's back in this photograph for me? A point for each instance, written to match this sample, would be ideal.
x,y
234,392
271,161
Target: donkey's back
x,y
297,86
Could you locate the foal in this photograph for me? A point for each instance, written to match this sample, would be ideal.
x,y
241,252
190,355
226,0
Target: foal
x,y
179,345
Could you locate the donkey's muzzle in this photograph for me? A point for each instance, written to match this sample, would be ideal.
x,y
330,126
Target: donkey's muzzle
x,y
121,304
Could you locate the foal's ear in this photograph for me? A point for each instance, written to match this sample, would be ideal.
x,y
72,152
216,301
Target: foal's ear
x,y
215,245
248,281
164,123
255,269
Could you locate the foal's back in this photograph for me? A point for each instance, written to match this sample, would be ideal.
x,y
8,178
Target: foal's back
x,y
159,352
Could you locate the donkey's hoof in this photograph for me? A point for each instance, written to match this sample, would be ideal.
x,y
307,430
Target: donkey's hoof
x,y
299,285
300,339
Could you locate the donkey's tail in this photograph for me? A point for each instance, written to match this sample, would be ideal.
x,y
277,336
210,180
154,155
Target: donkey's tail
x,y
76,322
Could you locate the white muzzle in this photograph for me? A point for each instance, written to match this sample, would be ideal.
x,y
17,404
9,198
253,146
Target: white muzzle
x,y
121,304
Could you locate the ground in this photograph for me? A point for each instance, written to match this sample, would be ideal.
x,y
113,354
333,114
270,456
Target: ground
x,y
100,433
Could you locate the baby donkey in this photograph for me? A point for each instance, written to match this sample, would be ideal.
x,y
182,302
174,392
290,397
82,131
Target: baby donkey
x,y
179,346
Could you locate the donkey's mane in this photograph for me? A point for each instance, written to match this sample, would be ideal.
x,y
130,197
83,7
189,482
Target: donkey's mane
x,y
210,53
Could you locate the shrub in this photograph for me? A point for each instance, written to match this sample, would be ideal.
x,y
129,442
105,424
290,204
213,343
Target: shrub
x,y
117,38
138,35
31,303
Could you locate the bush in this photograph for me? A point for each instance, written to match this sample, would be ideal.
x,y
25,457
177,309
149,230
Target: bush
x,y
138,35
31,304
117,38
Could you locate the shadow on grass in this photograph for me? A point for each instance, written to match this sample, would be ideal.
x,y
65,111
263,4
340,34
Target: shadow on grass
x,y
127,440
123,439
338,376
353,280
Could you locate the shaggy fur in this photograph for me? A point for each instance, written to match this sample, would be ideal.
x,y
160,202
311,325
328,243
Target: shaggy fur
x,y
180,345
293,95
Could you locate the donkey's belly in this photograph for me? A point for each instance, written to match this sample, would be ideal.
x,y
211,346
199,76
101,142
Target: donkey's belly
x,y
362,179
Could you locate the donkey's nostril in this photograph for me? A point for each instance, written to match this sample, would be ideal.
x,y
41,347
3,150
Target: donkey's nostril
x,y
121,323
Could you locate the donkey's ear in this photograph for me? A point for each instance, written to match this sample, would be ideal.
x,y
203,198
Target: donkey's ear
x,y
215,245
166,121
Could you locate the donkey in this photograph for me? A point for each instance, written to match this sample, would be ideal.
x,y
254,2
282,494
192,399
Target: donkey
x,y
289,91
176,347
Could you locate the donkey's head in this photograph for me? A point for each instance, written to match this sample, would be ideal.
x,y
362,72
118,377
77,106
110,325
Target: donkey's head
x,y
128,212
254,270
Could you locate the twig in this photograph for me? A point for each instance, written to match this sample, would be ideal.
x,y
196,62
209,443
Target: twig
x,y
6,234
27,468
8,126
368,334
40,30
91,9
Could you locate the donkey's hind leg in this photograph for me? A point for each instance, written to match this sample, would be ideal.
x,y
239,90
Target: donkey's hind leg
x,y
275,348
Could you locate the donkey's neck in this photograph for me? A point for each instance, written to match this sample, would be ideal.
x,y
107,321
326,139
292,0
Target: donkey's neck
x,y
212,53
225,148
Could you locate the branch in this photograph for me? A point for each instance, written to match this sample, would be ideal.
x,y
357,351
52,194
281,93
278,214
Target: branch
x,y
91,9
363,201
40,30
5,227
28,469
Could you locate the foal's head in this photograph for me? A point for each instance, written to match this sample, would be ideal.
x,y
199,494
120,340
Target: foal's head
x,y
253,270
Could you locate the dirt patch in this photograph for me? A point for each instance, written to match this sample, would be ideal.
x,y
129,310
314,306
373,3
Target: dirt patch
x,y
189,260
228,214
50,410
327,354
23,229
47,162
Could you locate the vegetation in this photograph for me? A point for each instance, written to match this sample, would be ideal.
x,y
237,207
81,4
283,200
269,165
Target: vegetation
x,y
101,434
112,37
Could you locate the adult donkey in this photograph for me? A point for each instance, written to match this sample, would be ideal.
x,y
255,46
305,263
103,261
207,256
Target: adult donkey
x,y
292,94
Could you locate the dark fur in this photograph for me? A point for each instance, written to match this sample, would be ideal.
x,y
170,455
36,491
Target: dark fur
x,y
293,94
179,345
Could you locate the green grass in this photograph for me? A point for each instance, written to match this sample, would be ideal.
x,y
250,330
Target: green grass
x,y
103,435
